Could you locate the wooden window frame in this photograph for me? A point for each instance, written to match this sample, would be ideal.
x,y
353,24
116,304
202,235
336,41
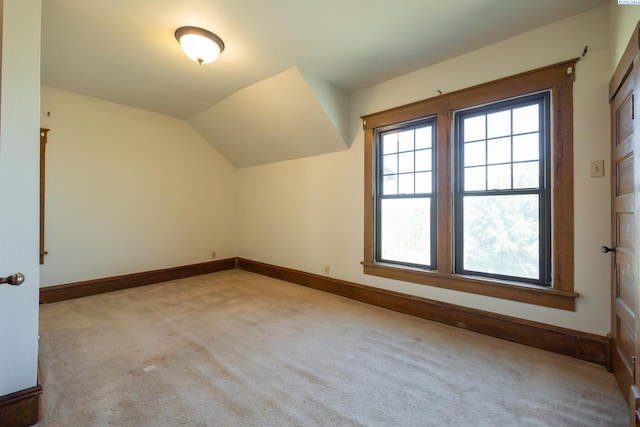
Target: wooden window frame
x,y
558,79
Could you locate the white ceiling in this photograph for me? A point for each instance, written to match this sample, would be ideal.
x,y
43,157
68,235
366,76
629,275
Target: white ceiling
x,y
125,51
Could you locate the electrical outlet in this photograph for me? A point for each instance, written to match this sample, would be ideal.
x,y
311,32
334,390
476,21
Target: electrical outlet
x,y
327,270
213,255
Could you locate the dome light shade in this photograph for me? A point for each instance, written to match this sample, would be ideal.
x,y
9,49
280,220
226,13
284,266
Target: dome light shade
x,y
199,44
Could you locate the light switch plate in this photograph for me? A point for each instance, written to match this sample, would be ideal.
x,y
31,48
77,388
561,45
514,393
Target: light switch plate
x,y
596,168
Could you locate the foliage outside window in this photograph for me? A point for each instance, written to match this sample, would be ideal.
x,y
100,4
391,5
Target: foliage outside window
x,y
486,206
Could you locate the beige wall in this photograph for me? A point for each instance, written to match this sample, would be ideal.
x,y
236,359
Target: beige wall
x,y
129,190
307,213
622,22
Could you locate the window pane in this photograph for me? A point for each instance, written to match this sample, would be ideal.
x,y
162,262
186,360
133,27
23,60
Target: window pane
x,y
526,147
474,128
406,140
390,164
406,230
390,143
423,137
526,175
475,179
423,160
474,153
390,184
499,177
406,162
424,183
526,119
499,124
499,150
405,183
501,235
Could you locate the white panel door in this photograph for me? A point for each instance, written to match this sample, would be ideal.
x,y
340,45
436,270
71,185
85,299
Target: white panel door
x,y
19,192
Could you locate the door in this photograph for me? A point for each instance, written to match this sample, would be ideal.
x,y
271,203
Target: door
x,y
19,186
625,230
623,276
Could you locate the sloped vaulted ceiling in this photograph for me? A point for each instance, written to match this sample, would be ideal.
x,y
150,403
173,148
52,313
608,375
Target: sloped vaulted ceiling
x,y
246,106
290,115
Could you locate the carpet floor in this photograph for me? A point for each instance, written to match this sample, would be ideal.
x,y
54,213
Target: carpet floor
x,y
239,349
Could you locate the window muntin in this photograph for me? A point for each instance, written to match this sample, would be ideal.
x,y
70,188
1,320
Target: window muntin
x,y
405,196
502,195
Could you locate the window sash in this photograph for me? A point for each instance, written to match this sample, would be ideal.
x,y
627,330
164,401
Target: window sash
x,y
419,192
506,235
543,192
385,241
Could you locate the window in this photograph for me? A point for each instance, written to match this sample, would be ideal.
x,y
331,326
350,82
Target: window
x,y
502,196
406,202
473,190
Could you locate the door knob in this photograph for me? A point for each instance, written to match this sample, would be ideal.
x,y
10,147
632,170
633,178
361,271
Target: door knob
x,y
14,280
606,249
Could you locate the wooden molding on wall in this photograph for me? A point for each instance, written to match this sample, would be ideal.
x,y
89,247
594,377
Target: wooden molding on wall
x,y
580,345
116,283
43,156
20,409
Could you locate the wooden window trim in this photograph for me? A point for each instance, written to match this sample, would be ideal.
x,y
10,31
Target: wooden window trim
x,y
43,149
559,79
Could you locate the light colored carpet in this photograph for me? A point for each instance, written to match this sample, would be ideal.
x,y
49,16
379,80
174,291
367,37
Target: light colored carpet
x,y
239,349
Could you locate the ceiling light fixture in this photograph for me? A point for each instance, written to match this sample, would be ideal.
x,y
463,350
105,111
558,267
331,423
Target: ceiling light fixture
x,y
199,44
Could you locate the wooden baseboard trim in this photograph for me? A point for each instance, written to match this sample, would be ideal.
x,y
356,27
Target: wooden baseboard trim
x,y
580,345
116,283
20,409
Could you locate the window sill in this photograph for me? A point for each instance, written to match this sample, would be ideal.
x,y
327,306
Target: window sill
x,y
530,294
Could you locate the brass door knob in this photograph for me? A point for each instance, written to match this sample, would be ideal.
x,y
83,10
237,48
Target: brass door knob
x,y
13,280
